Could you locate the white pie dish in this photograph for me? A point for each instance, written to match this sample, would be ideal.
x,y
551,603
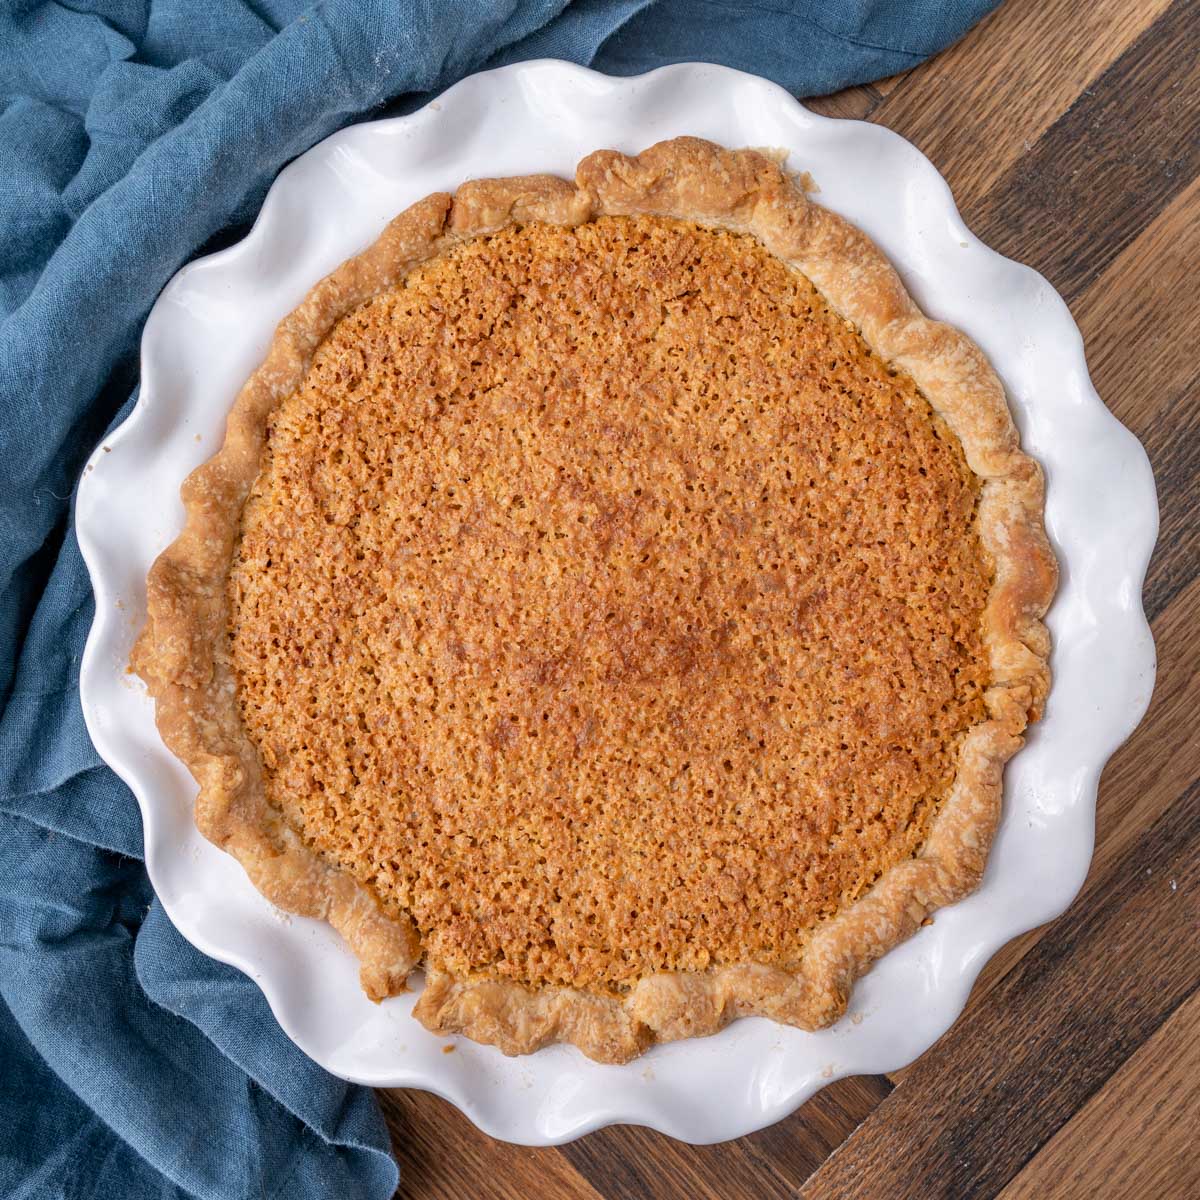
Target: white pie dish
x,y
211,326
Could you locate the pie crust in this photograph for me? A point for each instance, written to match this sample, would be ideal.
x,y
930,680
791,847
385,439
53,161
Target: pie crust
x,y
182,654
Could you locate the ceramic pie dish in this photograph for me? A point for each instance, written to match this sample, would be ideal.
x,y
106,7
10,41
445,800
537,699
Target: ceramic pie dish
x,y
343,1031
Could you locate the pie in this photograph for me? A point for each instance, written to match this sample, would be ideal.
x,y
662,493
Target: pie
x,y
615,598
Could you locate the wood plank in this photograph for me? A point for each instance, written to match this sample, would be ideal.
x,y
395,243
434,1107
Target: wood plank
x,y
1140,322
1173,441
1136,1137
967,1118
1139,330
1122,152
981,105
626,1163
799,1144
443,1156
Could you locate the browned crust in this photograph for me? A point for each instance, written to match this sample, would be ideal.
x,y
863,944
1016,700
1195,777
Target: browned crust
x,y
183,656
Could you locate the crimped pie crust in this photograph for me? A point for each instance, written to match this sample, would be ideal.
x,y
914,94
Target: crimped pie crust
x,y
183,653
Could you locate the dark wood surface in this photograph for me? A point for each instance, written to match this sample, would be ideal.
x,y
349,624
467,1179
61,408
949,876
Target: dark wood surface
x,y
1070,133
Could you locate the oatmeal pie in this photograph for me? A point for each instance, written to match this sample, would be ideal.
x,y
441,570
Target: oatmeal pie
x,y
615,597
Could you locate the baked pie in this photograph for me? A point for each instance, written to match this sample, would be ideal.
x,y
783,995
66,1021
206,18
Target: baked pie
x,y
614,597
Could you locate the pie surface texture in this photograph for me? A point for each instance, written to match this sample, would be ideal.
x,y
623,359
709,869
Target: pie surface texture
x,y
616,598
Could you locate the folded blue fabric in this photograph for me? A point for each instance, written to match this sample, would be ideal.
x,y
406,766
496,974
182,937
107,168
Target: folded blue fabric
x,y
133,134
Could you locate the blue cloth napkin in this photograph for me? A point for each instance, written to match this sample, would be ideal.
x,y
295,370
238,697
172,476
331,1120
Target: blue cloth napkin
x,y
133,134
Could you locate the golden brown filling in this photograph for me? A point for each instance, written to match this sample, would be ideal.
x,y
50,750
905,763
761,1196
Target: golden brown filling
x,y
604,602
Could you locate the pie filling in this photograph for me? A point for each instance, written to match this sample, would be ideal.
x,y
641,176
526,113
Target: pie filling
x,y
604,603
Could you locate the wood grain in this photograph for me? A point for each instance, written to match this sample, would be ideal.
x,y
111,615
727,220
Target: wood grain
x,y
771,1163
1081,194
1111,1147
439,1154
986,102
1148,277
1070,134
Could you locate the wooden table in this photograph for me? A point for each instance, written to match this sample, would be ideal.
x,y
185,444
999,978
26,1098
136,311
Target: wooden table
x,y
1070,133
